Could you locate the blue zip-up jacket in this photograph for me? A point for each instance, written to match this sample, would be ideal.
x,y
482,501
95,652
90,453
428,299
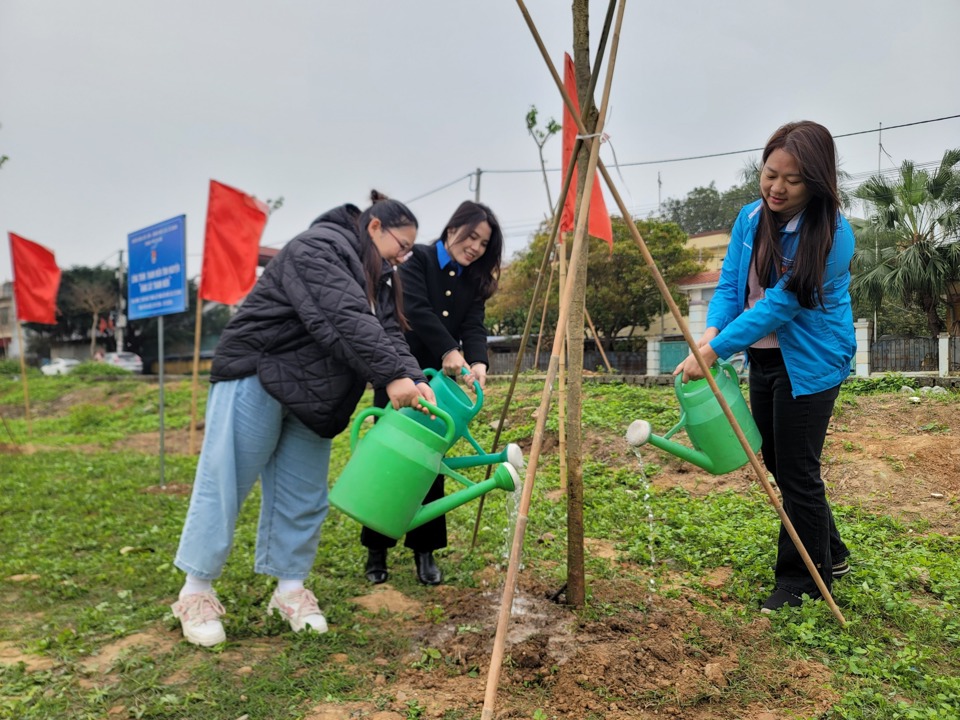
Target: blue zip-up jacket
x,y
818,343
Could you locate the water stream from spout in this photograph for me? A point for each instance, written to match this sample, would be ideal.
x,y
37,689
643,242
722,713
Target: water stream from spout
x,y
651,530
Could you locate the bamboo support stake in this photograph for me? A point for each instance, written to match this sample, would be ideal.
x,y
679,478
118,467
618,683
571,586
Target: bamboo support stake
x,y
196,372
23,375
506,604
562,375
694,349
543,319
6,427
596,339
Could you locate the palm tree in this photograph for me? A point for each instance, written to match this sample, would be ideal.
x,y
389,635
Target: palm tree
x,y
908,247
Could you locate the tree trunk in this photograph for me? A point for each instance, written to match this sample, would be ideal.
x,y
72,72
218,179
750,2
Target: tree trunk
x,y
576,583
934,324
93,335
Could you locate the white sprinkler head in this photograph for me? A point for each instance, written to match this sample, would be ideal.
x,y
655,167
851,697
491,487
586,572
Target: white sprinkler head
x,y
638,433
513,474
515,456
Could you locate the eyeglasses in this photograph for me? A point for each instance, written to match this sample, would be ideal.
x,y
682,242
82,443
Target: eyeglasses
x,y
404,244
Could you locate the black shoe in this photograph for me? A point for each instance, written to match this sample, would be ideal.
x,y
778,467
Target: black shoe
x,y
780,599
376,569
427,571
840,569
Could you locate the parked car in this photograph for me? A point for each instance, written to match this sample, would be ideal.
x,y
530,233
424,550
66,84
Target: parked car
x,y
59,366
126,360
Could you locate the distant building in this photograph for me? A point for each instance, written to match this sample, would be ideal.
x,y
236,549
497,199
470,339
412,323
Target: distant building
x,y
8,323
711,248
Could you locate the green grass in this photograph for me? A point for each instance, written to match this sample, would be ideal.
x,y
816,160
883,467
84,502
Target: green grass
x,y
91,523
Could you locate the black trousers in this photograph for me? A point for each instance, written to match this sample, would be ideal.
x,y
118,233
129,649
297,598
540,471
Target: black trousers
x,y
428,537
793,431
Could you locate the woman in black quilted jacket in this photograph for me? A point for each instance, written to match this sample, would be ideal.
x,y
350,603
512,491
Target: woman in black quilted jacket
x,y
323,320
446,285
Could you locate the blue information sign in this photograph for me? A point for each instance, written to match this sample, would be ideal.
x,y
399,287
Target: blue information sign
x,y
157,283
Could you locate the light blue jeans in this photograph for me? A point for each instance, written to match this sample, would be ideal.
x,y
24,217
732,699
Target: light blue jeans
x,y
248,435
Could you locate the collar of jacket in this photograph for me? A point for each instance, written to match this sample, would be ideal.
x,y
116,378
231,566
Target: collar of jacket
x,y
444,259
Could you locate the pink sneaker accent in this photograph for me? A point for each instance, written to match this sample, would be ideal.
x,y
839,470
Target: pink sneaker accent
x,y
199,615
300,609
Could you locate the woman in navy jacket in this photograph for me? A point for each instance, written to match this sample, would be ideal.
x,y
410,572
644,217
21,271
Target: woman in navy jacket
x,y
784,297
445,288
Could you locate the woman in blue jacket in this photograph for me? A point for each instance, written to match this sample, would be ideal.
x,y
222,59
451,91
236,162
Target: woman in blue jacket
x,y
784,297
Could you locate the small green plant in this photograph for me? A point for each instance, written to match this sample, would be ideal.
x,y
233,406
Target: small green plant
x,y
415,710
434,614
429,657
896,464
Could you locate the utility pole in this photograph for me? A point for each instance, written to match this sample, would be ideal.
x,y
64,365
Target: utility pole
x,y
121,323
659,203
476,194
876,246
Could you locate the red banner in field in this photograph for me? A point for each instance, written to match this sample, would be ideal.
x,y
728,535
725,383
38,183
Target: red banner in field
x,y
235,223
36,280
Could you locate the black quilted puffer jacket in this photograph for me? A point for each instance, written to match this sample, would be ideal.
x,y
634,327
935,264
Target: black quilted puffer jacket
x,y
308,332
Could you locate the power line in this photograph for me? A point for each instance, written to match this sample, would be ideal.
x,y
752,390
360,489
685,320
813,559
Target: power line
x,y
442,187
687,158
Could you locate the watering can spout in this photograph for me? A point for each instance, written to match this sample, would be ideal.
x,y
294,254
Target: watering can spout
x,y
640,433
505,478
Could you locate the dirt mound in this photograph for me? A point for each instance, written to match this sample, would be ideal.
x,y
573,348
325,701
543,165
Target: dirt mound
x,y
621,665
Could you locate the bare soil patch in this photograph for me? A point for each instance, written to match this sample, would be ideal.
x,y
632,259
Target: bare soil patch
x,y
887,455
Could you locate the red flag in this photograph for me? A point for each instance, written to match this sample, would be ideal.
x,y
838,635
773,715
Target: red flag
x,y
36,280
598,222
235,222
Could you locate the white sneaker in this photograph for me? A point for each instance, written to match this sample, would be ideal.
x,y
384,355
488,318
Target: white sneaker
x,y
199,615
300,609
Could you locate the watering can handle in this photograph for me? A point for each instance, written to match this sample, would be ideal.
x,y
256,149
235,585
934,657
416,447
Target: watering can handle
x,y
728,369
724,367
476,388
379,412
431,373
355,428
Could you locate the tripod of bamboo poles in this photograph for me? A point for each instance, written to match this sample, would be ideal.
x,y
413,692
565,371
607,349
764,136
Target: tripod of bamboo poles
x,y
551,245
506,604
682,324
522,517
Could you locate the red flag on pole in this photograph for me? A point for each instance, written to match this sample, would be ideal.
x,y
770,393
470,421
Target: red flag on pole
x,y
598,222
36,280
235,222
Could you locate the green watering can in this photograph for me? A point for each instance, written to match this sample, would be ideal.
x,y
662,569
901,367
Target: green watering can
x,y
393,466
452,399
716,448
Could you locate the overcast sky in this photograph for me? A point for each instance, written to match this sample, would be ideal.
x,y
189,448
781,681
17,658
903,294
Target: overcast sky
x,y
115,114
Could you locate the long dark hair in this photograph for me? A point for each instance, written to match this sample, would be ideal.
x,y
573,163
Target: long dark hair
x,y
485,271
812,146
392,214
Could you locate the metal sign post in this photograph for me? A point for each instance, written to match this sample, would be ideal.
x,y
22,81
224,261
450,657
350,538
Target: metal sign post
x,y
157,285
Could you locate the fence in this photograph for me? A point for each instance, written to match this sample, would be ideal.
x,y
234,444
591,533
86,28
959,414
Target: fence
x,y
888,354
623,362
905,354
